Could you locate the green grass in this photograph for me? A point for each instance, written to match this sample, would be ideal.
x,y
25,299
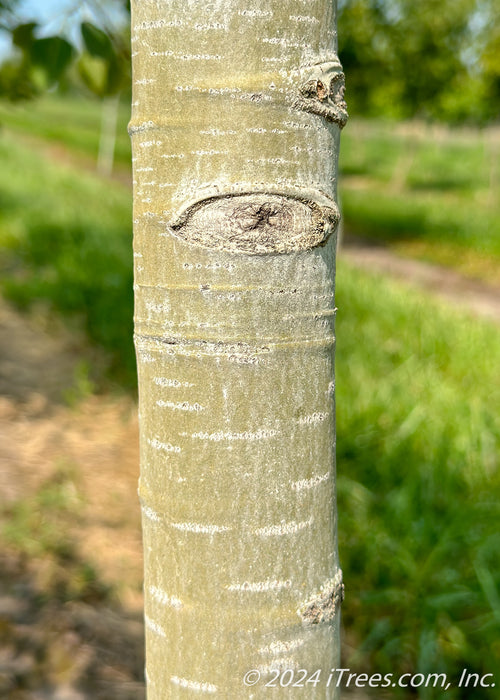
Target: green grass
x,y
37,527
66,240
73,122
418,482
423,217
419,189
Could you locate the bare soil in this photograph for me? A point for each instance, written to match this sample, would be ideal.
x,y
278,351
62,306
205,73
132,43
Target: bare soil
x,y
61,639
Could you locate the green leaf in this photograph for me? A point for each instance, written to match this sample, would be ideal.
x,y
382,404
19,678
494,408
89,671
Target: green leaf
x,y
53,54
96,41
94,73
115,78
15,82
22,35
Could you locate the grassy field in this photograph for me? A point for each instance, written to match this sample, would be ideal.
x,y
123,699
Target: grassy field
x,y
427,192
418,386
74,123
66,240
418,453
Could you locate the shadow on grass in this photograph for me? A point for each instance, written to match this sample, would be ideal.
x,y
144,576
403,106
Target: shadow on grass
x,y
58,644
367,216
440,183
86,275
63,632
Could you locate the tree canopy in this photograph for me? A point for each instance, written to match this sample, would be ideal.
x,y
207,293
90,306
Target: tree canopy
x,y
435,59
99,53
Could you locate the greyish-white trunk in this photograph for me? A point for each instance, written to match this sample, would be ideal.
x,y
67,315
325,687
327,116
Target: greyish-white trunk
x,y
237,111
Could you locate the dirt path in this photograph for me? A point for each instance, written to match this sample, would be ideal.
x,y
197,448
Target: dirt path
x,y
474,296
71,581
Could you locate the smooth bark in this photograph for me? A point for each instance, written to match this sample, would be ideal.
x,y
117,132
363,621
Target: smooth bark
x,y
237,111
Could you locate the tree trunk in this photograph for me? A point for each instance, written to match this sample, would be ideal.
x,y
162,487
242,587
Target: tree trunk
x,y
235,131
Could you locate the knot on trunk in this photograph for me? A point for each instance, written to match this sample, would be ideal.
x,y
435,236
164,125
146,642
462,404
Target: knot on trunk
x,y
325,604
322,92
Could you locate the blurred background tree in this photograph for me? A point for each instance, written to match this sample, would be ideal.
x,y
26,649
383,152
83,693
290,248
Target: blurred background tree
x,y
435,59
488,33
